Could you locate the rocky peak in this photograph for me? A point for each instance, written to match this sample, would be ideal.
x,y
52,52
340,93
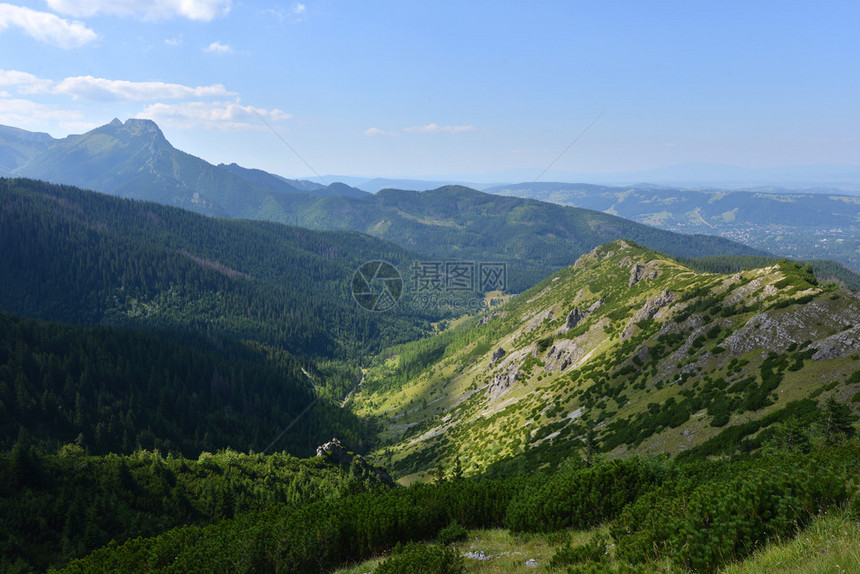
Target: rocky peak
x,y
334,451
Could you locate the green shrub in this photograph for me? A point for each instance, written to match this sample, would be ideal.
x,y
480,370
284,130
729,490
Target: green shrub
x,y
454,532
417,558
582,497
702,525
592,551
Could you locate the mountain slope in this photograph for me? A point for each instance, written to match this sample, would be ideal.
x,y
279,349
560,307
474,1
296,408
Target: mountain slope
x,y
266,180
534,238
624,351
18,146
134,159
86,258
114,390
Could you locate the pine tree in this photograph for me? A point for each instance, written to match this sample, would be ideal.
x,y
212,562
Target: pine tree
x,y
439,474
457,473
837,421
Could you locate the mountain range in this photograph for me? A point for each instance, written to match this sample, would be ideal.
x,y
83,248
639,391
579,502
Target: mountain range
x,y
452,223
133,159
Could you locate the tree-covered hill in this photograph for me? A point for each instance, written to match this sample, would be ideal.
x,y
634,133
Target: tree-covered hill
x,y
86,258
58,507
114,390
533,237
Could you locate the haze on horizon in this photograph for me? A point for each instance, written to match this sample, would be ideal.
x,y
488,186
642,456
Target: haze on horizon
x,y
432,90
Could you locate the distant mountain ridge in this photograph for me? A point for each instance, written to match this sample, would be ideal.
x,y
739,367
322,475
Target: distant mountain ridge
x,y
457,223
804,225
452,223
134,159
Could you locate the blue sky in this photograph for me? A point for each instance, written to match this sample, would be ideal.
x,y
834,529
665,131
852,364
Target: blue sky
x,y
439,89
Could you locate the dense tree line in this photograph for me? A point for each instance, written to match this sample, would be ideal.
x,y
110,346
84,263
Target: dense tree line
x,y
698,515
81,257
113,389
56,508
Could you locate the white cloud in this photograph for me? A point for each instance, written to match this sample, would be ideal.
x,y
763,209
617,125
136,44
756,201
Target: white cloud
x,y
428,129
204,10
26,83
434,128
101,89
25,113
46,27
298,9
379,132
211,115
218,48
90,88
174,41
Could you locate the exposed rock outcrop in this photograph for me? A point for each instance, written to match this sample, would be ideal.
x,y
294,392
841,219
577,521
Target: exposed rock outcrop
x,y
562,355
502,383
639,272
573,319
333,451
839,345
648,311
577,316
497,354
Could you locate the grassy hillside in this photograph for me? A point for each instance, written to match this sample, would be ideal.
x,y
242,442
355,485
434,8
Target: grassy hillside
x,y
626,351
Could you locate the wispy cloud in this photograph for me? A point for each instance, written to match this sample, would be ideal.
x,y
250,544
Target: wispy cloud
x,y
218,48
202,10
428,129
46,27
379,132
25,82
220,112
102,89
177,41
227,115
295,13
435,128
26,113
